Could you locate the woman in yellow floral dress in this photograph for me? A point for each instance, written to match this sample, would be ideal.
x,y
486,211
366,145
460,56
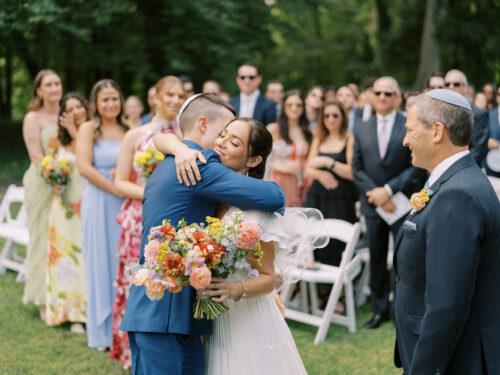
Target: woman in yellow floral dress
x,y
66,280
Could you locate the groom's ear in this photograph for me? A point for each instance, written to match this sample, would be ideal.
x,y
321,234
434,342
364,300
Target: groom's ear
x,y
202,124
254,161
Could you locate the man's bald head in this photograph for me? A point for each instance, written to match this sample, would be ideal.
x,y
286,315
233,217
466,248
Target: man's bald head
x,y
456,80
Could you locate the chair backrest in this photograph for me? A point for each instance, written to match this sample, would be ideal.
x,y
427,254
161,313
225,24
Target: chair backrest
x,y
13,195
343,231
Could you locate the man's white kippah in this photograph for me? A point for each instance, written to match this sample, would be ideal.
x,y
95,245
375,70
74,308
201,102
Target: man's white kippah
x,y
450,97
187,103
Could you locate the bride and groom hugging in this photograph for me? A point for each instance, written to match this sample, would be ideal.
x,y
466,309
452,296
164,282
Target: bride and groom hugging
x,y
252,337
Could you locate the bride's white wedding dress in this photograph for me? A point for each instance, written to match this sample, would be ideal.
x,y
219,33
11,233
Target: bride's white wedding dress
x,y
252,338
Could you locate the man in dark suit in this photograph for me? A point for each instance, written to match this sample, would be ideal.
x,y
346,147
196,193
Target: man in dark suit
x,y
457,81
250,102
381,167
164,337
447,259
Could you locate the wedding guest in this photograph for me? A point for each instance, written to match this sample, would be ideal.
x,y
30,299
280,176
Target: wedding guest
x,y
291,138
366,99
145,119
313,102
347,98
489,90
133,110
381,168
187,85
97,150
457,81
130,180
330,94
354,88
39,128
224,96
494,140
250,102
435,81
66,280
276,93
481,101
329,169
211,87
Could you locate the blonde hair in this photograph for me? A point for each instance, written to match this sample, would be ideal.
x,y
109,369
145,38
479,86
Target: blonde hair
x,y
36,102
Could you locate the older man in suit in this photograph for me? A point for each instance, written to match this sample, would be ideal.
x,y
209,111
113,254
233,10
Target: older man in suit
x,y
250,102
447,259
381,167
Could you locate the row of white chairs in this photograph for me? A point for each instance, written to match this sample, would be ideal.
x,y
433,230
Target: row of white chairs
x,y
13,231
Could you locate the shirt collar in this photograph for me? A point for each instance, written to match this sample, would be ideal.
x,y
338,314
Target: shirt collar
x,y
390,118
444,165
192,144
253,96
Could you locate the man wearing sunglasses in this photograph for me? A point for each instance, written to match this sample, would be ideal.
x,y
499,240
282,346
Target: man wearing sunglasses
x,y
250,102
382,167
457,81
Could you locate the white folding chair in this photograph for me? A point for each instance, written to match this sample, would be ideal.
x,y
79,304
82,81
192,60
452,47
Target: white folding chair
x,y
13,231
341,277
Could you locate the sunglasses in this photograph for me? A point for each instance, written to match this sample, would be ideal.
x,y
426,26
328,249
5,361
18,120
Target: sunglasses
x,y
289,105
436,87
251,78
332,115
454,84
386,93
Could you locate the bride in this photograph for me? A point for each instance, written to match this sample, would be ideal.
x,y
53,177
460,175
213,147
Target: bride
x,y
252,337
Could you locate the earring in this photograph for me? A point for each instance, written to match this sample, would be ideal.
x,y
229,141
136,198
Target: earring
x,y
246,173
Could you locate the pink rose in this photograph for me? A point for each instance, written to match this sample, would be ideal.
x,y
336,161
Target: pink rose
x,y
151,250
249,235
141,277
200,277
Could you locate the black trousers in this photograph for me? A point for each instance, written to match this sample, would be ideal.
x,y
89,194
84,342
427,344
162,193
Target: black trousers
x,y
380,278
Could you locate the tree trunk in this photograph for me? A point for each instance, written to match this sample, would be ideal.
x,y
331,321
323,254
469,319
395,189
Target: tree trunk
x,y
382,33
429,47
8,82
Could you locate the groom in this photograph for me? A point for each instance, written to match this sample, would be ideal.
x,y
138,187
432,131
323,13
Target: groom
x,y
164,337
447,257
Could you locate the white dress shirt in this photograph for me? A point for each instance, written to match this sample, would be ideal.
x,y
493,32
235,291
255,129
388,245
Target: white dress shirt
x,y
384,130
247,103
443,166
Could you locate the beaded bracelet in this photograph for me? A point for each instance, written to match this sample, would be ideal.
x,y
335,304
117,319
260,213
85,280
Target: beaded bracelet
x,y
244,290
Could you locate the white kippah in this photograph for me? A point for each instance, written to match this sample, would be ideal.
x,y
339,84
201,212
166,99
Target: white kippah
x,y
450,97
186,103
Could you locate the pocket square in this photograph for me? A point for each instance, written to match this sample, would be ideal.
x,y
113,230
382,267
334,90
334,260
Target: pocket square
x,y
410,226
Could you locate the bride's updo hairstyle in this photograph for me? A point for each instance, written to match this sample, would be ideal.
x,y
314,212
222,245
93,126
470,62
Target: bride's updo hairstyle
x,y
260,143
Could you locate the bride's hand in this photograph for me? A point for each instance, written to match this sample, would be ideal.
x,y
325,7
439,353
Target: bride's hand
x,y
219,290
185,166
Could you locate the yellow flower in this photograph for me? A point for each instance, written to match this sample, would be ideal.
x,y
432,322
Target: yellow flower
x,y
419,200
46,161
159,156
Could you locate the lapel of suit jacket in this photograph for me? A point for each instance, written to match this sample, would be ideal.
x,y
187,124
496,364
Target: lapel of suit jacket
x,y
258,107
372,131
236,104
395,134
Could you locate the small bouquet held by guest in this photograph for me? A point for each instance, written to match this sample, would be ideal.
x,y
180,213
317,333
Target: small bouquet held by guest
x,y
193,254
56,171
148,160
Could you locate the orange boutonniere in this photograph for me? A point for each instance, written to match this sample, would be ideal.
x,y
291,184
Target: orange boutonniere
x,y
419,200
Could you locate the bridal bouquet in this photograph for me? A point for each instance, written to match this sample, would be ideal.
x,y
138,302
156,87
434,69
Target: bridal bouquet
x,y
56,171
193,254
148,160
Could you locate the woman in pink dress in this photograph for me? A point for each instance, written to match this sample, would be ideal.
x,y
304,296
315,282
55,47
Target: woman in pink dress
x,y
291,139
130,180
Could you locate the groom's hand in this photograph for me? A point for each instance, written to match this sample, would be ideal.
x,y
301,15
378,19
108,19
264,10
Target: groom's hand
x,y
219,290
186,168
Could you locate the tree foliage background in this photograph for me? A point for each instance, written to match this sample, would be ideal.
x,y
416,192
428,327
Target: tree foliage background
x,y
301,42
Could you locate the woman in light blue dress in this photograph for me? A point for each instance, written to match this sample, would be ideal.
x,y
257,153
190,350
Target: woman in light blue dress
x,y
97,150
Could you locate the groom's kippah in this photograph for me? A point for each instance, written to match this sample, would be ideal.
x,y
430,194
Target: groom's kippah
x,y
187,103
450,97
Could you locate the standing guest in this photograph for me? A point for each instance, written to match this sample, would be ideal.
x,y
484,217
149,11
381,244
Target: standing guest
x,y
133,110
66,280
494,140
480,101
211,87
435,81
381,167
130,181
291,138
447,256
347,98
354,88
489,90
250,102
313,103
457,81
276,93
330,94
366,99
187,85
329,168
224,96
146,119
39,128
97,150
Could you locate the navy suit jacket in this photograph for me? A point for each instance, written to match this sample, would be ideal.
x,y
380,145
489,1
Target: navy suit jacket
x,y
447,265
395,170
164,198
480,134
264,112
495,134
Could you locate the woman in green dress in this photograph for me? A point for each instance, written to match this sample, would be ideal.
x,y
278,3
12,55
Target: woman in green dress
x,y
39,131
66,282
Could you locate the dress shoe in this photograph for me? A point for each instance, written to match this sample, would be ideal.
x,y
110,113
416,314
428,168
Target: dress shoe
x,y
376,321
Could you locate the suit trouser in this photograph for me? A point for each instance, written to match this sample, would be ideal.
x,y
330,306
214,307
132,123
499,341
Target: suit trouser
x,y
378,242
166,353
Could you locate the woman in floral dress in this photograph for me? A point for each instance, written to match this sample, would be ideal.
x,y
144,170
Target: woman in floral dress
x,y
130,180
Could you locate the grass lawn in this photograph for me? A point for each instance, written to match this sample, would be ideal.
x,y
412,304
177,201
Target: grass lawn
x,y
27,346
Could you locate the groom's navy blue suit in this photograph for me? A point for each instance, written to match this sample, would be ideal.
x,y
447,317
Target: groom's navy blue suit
x,y
447,265
164,336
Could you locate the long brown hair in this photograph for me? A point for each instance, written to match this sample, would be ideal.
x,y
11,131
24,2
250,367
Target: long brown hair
x,y
94,113
322,132
303,123
63,134
36,102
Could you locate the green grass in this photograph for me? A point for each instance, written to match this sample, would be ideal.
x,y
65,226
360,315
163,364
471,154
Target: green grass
x,y
28,346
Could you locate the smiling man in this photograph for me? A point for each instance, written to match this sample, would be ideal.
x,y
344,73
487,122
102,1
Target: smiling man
x,y
447,254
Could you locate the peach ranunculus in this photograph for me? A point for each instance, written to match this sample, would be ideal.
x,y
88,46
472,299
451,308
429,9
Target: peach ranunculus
x,y
142,276
249,235
154,289
200,277
420,199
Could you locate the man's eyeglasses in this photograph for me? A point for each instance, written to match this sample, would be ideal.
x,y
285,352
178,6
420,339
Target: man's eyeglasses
x,y
386,93
454,84
332,115
251,78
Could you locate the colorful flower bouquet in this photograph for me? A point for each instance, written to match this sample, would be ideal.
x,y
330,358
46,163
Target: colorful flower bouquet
x,y
193,254
148,160
56,170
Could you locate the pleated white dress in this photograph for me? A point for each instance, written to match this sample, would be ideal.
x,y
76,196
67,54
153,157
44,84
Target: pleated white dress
x,y
252,338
